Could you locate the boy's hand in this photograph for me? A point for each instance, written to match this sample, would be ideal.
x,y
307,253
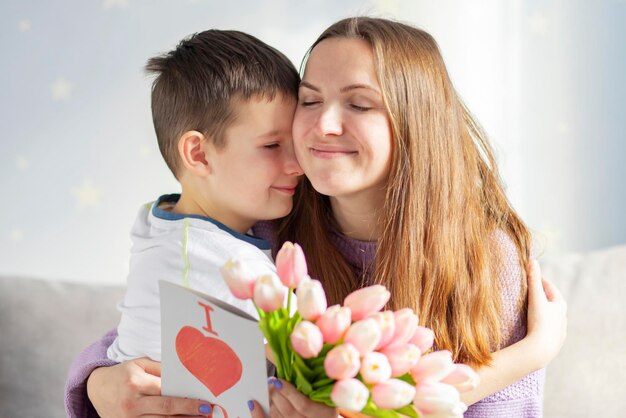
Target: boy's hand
x,y
133,389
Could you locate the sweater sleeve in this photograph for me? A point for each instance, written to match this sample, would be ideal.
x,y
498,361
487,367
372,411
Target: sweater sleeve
x,y
524,398
77,404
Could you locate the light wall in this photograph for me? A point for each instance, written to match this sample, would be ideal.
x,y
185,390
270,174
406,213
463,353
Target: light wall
x,y
78,155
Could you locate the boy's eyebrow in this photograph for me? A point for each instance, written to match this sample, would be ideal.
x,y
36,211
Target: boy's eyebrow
x,y
343,89
270,134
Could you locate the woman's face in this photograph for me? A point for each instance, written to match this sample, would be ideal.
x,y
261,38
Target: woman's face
x,y
341,131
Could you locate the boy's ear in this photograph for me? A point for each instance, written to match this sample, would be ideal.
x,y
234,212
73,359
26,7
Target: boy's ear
x,y
192,151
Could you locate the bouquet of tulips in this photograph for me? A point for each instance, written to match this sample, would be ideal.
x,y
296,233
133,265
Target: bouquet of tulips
x,y
356,357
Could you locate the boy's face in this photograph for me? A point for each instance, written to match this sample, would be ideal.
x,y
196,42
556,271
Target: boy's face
x,y
254,176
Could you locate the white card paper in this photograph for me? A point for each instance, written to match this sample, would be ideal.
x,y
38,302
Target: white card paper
x,y
211,351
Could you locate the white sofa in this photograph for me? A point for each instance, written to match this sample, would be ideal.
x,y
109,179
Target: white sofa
x,y
43,324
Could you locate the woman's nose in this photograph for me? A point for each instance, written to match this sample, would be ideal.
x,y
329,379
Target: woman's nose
x,y
329,122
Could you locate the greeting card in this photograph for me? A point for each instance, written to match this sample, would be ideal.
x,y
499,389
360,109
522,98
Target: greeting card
x,y
211,351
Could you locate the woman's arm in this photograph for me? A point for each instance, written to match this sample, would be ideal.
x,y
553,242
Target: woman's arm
x,y
77,404
547,324
133,388
97,386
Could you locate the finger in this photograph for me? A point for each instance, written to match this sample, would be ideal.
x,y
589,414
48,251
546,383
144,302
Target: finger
x,y
150,366
298,402
280,405
275,412
177,416
255,410
535,289
169,405
147,384
552,292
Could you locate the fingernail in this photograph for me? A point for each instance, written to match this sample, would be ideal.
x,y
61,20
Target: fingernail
x,y
251,405
277,384
205,409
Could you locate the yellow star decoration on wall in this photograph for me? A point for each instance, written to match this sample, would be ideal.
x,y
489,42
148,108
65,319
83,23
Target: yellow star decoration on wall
x,y
61,89
24,25
87,195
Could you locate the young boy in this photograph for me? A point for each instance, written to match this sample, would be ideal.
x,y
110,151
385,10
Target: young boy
x,y
222,106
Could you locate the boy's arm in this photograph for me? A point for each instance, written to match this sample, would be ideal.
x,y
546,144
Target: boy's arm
x,y
547,324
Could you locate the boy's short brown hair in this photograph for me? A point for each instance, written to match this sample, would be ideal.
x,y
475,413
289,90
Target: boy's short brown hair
x,y
197,82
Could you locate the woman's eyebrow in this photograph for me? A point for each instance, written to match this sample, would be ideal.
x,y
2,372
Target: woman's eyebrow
x,y
309,86
359,86
343,89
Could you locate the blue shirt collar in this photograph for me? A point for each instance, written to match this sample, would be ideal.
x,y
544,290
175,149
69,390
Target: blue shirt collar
x,y
171,216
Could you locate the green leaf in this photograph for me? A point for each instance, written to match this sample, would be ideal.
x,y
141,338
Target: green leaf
x,y
374,411
407,378
322,382
409,411
322,395
302,366
302,384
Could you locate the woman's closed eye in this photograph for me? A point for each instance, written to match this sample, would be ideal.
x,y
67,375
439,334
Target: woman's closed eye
x,y
359,107
272,145
309,103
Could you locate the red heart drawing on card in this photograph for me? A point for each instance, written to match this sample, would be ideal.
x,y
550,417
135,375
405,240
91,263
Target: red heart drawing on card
x,y
210,360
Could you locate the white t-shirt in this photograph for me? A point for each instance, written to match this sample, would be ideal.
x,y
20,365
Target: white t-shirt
x,y
185,249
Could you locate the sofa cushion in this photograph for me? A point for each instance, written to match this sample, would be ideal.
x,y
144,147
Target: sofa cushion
x,y
43,325
587,378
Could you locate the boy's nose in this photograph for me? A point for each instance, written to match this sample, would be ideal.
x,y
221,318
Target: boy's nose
x,y
291,165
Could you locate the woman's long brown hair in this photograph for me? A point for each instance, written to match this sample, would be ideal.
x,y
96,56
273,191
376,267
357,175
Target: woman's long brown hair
x,y
443,204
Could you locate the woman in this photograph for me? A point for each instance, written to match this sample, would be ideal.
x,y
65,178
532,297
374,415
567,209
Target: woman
x,y
401,189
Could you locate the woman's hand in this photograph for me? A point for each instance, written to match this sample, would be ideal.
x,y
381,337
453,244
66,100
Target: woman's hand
x,y
546,329
547,315
133,389
287,402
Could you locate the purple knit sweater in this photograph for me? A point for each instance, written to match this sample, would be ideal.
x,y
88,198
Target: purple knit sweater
x,y
521,399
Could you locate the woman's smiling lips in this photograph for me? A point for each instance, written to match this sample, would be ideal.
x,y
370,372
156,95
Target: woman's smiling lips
x,y
330,151
289,190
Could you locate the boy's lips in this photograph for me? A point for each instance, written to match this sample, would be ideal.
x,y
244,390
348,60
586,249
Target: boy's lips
x,y
290,190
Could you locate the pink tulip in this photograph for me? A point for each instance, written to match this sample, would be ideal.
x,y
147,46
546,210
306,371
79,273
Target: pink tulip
x,y
433,366
406,323
402,358
334,323
387,325
423,338
342,362
375,368
366,301
463,378
364,335
239,279
306,339
269,293
435,399
393,394
350,394
291,265
311,299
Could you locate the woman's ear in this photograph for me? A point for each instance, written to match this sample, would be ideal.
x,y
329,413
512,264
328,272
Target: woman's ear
x,y
192,150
